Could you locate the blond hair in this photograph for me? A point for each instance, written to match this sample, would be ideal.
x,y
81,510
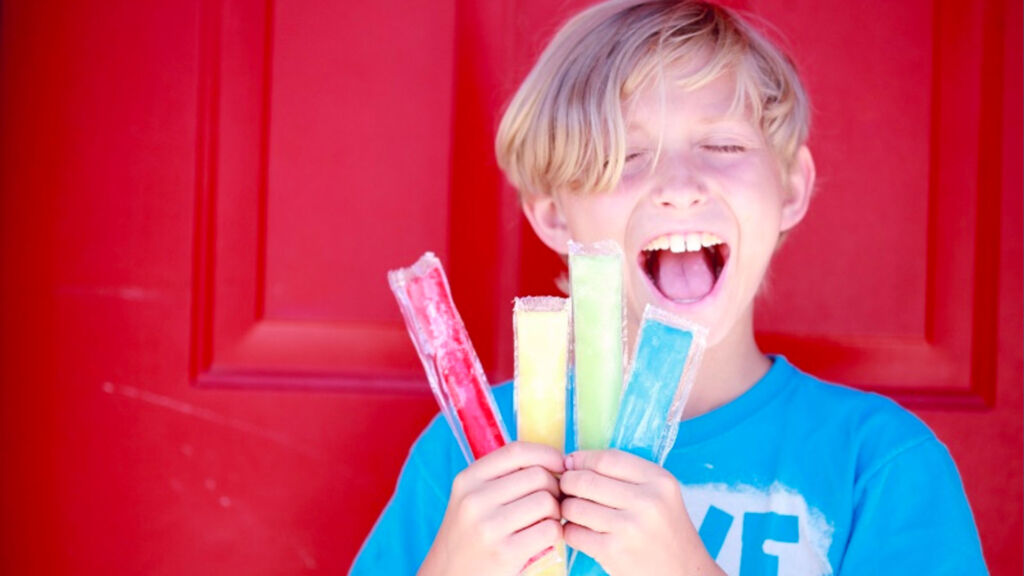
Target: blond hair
x,y
564,128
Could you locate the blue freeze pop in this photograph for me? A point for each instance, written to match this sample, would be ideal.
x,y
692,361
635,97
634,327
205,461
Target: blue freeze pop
x,y
647,419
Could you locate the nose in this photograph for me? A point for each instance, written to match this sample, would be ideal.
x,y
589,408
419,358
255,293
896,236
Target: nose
x,y
679,182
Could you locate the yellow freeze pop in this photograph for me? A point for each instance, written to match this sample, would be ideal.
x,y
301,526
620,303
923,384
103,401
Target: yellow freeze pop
x,y
542,365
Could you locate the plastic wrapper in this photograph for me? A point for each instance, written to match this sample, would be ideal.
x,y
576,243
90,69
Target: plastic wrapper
x,y
668,353
541,328
448,357
595,277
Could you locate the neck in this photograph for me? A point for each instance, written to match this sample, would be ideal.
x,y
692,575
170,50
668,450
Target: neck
x,y
730,368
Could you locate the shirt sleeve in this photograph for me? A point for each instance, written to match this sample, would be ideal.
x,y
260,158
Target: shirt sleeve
x,y
911,516
405,530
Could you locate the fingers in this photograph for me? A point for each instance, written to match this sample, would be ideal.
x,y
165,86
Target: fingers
x,y
517,484
593,486
529,510
512,502
584,539
616,481
515,456
613,464
503,510
501,505
590,514
538,537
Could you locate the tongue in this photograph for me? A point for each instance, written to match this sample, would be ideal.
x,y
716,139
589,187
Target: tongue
x,y
684,276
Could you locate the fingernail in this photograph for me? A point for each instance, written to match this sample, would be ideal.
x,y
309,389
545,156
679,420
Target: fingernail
x,y
568,462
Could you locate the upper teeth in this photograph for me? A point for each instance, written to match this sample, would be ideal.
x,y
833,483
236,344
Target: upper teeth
x,y
690,242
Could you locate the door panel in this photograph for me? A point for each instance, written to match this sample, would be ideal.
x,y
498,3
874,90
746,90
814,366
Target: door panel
x,y
202,368
359,134
901,209
320,174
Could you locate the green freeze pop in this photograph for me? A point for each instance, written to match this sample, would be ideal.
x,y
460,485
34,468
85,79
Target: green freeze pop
x,y
595,275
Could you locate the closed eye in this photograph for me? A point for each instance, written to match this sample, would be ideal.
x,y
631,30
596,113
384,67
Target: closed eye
x,y
635,162
725,148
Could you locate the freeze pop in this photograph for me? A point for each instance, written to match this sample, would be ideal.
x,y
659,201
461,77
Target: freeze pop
x,y
595,276
668,353
541,328
451,364
542,364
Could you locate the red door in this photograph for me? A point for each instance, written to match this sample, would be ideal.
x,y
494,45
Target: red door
x,y
202,370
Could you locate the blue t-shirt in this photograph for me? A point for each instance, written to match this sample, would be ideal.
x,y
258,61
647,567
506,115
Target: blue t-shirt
x,y
796,476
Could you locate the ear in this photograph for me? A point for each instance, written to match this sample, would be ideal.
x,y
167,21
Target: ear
x,y
545,216
800,180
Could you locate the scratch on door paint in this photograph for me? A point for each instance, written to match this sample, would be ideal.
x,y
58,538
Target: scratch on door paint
x,y
207,415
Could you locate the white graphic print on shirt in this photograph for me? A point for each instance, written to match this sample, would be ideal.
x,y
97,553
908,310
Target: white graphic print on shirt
x,y
754,532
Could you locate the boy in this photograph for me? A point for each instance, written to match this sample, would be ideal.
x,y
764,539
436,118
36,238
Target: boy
x,y
676,130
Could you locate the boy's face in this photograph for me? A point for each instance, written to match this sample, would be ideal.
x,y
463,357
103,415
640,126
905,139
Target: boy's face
x,y
698,211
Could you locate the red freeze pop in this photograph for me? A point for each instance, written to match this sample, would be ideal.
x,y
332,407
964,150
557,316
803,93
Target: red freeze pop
x,y
451,364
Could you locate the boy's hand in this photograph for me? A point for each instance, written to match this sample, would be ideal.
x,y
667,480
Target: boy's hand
x,y
503,511
628,514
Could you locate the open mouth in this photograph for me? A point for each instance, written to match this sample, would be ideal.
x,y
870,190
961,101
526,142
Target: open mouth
x,y
685,267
